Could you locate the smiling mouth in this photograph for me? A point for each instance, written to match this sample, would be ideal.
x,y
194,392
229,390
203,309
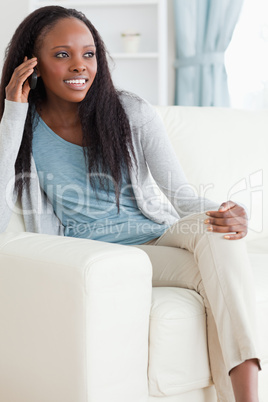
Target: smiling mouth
x,y
76,82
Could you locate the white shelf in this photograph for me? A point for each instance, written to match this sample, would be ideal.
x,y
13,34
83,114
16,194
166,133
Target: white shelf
x,y
101,3
134,55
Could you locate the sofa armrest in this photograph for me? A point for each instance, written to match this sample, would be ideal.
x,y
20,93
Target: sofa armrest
x,y
74,320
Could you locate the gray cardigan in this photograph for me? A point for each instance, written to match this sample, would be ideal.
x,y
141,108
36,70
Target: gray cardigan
x,y
157,169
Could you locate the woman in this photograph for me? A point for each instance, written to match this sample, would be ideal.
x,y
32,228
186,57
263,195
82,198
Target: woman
x,y
80,155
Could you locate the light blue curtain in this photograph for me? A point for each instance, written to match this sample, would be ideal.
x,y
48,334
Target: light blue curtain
x,y
203,30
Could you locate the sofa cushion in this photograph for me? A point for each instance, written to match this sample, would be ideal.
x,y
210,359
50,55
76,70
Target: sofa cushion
x,y
178,359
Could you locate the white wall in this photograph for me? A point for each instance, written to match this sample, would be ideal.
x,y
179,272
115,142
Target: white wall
x,y
12,12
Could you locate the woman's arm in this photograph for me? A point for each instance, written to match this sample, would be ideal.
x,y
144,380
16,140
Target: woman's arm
x,y
11,131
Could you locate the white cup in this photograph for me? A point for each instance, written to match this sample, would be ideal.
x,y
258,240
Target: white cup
x,y
131,41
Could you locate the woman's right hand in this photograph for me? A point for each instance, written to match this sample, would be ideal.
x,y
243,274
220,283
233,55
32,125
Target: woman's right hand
x,y
18,88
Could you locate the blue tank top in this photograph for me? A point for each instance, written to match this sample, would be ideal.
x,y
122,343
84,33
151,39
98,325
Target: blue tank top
x,y
86,212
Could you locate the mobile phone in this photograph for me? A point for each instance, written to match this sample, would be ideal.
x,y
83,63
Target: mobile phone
x,y
33,80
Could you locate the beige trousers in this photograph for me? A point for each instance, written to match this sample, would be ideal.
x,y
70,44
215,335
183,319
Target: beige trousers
x,y
189,256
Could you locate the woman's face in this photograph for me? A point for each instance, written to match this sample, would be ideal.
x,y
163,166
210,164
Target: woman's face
x,y
67,61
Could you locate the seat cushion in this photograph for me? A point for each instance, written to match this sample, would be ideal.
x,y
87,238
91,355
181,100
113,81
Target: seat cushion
x,y
178,358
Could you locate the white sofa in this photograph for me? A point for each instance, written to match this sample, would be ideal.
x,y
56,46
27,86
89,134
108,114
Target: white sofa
x,y
75,314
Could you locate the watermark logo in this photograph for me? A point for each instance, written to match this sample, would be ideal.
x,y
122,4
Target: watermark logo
x,y
184,197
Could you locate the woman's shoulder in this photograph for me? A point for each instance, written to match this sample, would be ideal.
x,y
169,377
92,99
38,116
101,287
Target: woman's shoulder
x,y
138,110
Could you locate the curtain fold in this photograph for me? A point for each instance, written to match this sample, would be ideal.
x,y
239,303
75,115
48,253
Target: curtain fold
x,y
203,31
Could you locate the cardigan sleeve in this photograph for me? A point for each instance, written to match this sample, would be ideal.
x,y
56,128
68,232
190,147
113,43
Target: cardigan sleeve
x,y
38,213
167,171
11,131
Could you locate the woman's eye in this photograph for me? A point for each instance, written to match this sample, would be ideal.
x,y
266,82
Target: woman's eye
x,y
89,54
61,55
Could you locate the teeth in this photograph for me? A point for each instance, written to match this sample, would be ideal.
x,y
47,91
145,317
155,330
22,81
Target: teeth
x,y
75,81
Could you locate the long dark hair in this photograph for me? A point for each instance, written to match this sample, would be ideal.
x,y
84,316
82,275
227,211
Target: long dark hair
x,y
106,131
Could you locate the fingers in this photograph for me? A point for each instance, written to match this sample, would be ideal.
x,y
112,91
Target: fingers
x,y
235,236
228,222
232,210
18,88
227,205
226,229
234,233
229,218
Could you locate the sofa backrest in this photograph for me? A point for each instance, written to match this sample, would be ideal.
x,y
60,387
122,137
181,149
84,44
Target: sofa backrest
x,y
224,153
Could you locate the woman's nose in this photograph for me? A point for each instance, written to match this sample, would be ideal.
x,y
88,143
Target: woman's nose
x,y
77,66
78,69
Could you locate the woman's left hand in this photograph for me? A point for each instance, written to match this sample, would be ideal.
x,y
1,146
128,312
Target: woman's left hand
x,y
230,217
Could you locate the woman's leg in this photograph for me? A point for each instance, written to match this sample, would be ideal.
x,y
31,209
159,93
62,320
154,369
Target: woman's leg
x,y
245,381
225,283
175,267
